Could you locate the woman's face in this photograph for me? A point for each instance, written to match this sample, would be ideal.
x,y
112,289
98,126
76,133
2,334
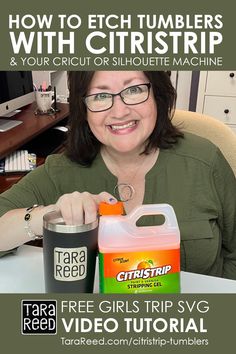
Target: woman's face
x,y
123,128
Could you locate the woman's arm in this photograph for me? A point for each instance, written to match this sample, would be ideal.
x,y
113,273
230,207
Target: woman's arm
x,y
12,225
225,187
76,209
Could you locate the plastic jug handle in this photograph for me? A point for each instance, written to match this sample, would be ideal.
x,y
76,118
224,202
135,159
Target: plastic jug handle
x,y
155,209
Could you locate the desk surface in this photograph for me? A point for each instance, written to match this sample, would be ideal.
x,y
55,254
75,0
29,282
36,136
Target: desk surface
x,y
23,273
32,126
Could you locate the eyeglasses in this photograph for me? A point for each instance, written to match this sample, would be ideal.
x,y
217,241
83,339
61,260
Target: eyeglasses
x,y
103,101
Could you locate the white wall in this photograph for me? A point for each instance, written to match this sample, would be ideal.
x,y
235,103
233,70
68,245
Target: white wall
x,y
183,83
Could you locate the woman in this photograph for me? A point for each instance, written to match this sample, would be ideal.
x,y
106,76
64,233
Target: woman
x,y
122,142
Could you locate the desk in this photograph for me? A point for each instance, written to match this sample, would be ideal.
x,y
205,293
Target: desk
x,y
32,126
23,273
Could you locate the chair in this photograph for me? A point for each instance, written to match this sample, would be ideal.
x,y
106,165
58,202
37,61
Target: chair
x,y
210,128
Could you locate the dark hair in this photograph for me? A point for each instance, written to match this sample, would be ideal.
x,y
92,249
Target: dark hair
x,y
82,146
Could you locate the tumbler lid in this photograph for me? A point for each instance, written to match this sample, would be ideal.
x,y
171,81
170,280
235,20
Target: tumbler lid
x,y
53,221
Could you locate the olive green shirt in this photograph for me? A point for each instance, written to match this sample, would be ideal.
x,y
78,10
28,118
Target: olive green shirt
x,y
193,177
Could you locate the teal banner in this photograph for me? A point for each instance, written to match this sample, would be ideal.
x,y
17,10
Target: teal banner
x,y
98,36
104,323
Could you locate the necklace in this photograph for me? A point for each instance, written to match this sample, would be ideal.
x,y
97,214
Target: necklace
x,y
124,190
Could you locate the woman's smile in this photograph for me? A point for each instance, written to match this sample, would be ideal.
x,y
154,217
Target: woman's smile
x,y
123,127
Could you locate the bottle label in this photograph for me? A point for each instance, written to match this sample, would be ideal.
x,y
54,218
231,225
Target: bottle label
x,y
140,272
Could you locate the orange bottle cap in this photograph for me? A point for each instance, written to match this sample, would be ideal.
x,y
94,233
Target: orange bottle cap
x,y
111,209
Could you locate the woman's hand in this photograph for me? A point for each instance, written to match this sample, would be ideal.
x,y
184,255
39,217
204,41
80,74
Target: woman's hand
x,y
81,208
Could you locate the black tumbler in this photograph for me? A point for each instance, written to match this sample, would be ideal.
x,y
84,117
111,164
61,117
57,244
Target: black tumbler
x,y
69,253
